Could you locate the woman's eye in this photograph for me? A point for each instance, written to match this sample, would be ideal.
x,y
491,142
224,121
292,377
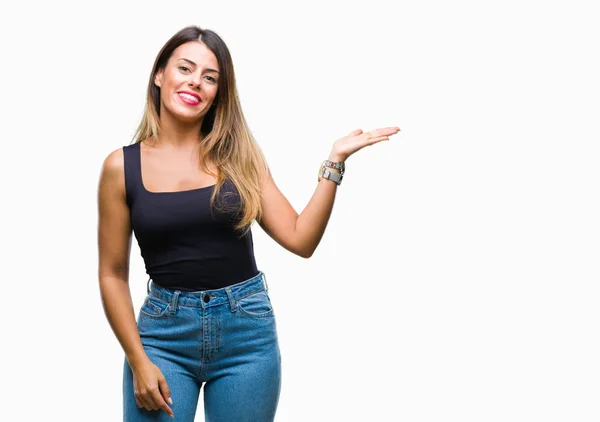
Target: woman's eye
x,y
183,68
210,78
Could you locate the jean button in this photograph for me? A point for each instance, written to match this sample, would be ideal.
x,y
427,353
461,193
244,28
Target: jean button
x,y
206,298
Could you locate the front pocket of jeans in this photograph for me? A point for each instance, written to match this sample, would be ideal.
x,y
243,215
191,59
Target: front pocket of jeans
x,y
256,305
154,307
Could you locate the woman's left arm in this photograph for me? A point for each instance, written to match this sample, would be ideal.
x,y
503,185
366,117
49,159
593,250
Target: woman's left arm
x,y
302,233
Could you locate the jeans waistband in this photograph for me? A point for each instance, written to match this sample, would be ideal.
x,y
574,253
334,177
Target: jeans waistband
x,y
208,298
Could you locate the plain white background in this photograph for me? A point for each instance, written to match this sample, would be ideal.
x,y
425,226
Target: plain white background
x,y
458,277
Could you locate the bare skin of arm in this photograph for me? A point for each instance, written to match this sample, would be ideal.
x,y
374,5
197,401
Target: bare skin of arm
x,y
114,245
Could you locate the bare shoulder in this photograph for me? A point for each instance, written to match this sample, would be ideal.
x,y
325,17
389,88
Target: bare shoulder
x,y
112,176
113,163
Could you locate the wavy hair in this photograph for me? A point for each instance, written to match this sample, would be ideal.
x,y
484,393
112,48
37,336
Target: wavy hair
x,y
226,138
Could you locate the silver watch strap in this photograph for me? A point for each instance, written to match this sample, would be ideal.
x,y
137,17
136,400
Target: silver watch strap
x,y
332,175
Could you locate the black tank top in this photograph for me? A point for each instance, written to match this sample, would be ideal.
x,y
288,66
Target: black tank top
x,y
184,245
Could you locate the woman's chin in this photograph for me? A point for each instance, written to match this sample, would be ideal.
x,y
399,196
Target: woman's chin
x,y
184,116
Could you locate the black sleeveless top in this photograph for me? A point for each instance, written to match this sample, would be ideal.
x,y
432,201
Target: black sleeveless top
x,y
186,245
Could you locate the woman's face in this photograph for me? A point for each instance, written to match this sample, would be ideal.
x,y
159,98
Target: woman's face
x,y
188,84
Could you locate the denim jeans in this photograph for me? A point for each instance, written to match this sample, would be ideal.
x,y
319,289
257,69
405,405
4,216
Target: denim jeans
x,y
225,339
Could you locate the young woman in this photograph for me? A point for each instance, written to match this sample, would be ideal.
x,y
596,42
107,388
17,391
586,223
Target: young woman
x,y
189,188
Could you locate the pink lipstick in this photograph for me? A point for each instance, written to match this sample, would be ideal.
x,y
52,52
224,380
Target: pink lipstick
x,y
190,98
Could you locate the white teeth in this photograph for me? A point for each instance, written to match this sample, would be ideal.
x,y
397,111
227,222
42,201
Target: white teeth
x,y
189,97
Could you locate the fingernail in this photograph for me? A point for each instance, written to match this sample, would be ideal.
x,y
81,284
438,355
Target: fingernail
x,y
170,401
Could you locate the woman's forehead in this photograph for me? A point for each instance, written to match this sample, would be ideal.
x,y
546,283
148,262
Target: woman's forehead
x,y
197,53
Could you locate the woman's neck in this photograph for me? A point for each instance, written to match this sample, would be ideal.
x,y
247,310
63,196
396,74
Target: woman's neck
x,y
176,134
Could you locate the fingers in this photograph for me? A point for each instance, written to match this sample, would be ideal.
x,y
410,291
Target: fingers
x,y
165,390
381,134
166,394
152,398
160,402
376,135
378,139
386,131
141,398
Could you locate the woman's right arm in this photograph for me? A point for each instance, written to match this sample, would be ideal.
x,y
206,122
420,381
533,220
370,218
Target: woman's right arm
x,y
114,246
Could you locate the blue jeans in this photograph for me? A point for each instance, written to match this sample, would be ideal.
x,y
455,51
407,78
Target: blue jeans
x,y
224,338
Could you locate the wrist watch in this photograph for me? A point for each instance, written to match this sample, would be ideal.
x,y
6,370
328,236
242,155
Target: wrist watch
x,y
332,175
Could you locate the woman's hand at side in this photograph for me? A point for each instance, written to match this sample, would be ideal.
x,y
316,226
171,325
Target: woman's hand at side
x,y
150,387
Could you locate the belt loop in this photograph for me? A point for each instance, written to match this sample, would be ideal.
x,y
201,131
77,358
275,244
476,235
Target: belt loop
x,y
265,280
174,302
232,302
148,286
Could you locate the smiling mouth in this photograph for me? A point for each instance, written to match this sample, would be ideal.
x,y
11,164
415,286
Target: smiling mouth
x,y
188,99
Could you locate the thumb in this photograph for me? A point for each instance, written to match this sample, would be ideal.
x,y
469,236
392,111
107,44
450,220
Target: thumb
x,y
355,132
164,390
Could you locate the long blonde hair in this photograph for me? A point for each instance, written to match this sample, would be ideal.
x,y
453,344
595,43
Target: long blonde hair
x,y
226,138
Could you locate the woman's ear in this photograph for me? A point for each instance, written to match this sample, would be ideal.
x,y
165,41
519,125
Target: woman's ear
x,y
158,78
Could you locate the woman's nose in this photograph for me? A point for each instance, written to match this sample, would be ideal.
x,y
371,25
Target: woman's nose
x,y
195,80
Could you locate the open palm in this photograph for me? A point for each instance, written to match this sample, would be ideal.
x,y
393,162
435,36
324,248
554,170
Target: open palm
x,y
357,140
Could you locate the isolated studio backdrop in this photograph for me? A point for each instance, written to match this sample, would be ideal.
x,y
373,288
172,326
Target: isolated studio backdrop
x,y
458,276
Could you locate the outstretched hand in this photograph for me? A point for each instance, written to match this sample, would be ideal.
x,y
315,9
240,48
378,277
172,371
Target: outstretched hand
x,y
356,140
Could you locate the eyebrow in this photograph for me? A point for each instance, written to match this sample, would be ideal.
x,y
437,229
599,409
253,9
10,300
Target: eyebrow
x,y
194,64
